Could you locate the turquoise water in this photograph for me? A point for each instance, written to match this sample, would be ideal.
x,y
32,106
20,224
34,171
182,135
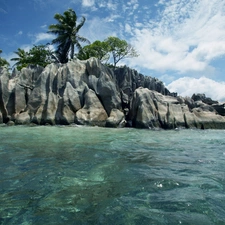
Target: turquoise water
x,y
89,175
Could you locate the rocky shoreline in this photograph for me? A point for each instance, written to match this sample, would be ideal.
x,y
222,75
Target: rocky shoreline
x,y
89,93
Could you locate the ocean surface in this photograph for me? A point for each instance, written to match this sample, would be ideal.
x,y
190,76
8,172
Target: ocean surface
x,y
90,175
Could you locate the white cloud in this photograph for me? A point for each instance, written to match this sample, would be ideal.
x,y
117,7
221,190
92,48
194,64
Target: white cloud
x,y
186,36
161,2
166,78
132,2
44,26
8,57
19,33
112,17
128,28
187,86
112,6
26,47
43,37
97,29
88,3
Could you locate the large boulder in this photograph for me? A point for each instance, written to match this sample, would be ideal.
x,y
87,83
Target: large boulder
x,y
72,102
151,109
116,119
102,81
220,108
93,112
207,119
144,113
7,94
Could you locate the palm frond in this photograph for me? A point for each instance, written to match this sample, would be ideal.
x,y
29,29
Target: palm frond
x,y
66,33
81,23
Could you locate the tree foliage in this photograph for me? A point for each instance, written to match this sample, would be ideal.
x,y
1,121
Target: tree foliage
x,y
67,37
21,59
3,62
38,55
110,51
120,49
97,49
112,47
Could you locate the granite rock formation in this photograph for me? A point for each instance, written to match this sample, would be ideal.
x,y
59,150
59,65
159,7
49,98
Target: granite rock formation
x,y
89,93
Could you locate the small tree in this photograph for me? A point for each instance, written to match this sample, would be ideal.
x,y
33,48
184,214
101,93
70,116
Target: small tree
x,y
97,49
38,55
3,62
120,49
112,46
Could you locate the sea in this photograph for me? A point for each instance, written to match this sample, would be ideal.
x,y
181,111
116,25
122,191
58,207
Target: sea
x,y
77,175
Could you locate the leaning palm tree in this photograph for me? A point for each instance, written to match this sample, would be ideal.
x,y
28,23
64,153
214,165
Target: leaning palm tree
x,y
66,31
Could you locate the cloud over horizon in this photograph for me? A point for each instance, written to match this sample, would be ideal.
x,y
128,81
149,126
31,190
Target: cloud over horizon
x,y
187,86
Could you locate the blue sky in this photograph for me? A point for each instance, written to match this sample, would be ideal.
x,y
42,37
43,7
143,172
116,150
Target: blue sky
x,y
181,42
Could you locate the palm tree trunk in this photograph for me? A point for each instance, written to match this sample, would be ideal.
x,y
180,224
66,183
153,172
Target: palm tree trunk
x,y
72,51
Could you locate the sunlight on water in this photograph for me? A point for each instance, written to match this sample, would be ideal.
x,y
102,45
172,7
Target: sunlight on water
x,y
89,175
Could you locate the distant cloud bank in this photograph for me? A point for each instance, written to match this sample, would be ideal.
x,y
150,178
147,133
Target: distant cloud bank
x,y
187,86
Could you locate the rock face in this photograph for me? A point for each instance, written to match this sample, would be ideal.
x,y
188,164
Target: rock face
x,y
152,109
89,93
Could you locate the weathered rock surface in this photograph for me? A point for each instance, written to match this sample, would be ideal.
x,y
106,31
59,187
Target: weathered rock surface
x,y
116,119
89,93
151,109
93,112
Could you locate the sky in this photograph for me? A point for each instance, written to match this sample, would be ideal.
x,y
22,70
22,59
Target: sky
x,y
180,42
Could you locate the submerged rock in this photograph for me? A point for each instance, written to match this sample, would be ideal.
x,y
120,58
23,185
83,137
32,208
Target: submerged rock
x,y
89,93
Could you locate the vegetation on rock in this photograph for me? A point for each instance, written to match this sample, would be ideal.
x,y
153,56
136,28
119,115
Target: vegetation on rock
x,y
120,49
38,55
98,49
3,62
66,31
112,47
67,37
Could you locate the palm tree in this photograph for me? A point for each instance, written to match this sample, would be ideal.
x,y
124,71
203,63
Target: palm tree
x,y
22,60
66,31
